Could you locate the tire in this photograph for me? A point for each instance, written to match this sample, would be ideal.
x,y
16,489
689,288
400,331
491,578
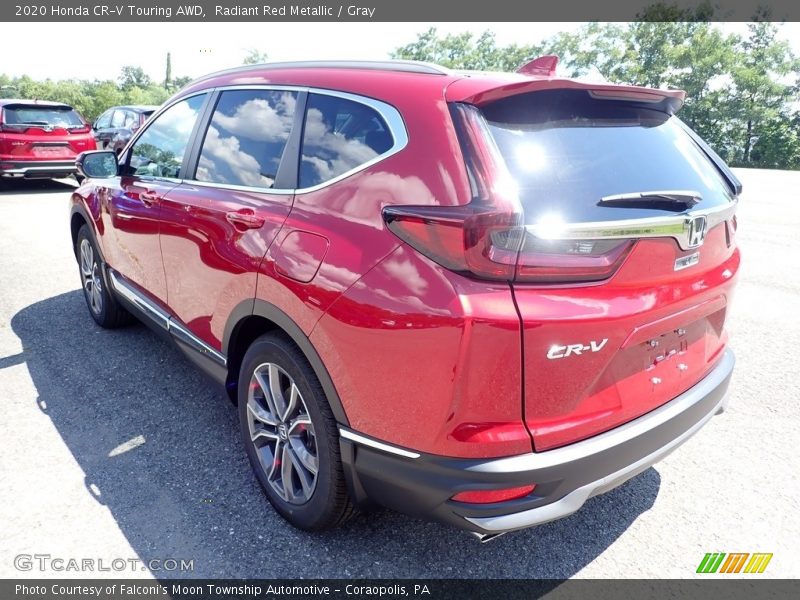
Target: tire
x,y
100,301
299,424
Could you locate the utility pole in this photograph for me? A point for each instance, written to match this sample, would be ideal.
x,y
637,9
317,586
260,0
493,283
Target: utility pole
x,y
168,78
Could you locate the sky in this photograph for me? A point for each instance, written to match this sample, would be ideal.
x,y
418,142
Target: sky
x,y
199,48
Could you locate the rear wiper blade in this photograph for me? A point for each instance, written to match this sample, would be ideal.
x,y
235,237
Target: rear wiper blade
x,y
654,199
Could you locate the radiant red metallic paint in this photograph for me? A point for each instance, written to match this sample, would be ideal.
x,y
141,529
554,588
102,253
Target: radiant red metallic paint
x,y
421,357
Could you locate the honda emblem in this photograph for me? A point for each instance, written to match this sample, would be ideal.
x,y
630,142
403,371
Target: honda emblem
x,y
695,231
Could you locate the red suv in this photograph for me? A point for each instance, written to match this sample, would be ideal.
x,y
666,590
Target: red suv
x,y
41,139
478,298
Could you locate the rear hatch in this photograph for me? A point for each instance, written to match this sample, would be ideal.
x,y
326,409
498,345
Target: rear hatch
x,y
612,223
40,132
626,259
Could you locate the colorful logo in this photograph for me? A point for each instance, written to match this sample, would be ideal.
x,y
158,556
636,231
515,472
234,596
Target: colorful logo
x,y
737,562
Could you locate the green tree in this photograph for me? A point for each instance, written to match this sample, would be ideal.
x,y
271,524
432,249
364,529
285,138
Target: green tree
x,y
255,57
131,77
465,51
741,92
764,80
180,82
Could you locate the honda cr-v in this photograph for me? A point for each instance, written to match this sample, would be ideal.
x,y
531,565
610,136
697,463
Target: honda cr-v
x,y
478,298
41,139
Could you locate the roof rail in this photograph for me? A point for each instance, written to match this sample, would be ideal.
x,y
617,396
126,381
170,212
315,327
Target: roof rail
x,y
403,66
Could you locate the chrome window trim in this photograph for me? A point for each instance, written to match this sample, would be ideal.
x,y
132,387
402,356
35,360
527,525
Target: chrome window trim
x,y
389,113
239,188
674,226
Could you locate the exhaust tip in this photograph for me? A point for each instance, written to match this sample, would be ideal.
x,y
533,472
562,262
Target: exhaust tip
x,y
486,537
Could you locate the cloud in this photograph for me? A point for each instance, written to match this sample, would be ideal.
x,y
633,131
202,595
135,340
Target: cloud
x,y
221,154
257,120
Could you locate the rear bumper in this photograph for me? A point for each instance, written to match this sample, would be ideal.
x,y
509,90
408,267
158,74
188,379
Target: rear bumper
x,y
44,169
422,485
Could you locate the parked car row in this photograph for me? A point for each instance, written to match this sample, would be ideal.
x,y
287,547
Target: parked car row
x,y
40,139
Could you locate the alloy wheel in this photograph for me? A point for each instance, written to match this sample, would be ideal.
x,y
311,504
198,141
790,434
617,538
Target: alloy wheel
x,y
282,433
90,273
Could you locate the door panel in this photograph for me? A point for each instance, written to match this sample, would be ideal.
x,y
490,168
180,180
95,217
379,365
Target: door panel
x,y
210,262
133,208
215,231
132,223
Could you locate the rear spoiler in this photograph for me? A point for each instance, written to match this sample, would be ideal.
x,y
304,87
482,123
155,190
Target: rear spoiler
x,y
483,90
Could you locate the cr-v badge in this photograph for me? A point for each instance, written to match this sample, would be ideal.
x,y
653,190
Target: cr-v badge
x,y
575,349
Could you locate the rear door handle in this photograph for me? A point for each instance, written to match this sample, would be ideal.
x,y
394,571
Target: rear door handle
x,y
244,219
149,197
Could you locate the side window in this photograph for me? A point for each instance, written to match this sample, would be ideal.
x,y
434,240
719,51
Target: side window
x,y
131,119
118,120
246,137
159,150
339,136
104,120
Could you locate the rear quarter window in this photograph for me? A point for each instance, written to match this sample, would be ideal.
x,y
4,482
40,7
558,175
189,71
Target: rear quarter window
x,y
339,136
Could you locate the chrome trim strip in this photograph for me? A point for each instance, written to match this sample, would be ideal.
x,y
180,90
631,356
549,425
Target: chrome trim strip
x,y
575,499
66,168
675,226
164,319
238,188
187,337
126,291
388,112
351,435
618,435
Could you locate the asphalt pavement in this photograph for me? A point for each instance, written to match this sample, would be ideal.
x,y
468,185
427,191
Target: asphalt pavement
x,y
114,447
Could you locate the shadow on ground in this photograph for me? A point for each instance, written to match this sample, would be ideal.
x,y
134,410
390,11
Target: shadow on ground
x,y
35,186
187,491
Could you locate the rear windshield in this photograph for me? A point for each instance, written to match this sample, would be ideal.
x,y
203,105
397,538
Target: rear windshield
x,y
41,115
567,150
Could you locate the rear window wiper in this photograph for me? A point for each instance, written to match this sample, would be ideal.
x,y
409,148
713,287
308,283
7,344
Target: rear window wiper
x,y
664,199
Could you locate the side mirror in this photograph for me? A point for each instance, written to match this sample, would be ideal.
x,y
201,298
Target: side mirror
x,y
97,164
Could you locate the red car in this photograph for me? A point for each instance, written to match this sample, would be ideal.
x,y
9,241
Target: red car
x,y
477,298
41,139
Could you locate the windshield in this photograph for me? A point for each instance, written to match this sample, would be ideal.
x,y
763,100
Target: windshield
x,y
41,115
567,151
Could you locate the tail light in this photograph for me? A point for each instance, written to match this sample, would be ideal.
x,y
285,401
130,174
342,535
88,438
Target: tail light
x,y
84,129
487,238
491,496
